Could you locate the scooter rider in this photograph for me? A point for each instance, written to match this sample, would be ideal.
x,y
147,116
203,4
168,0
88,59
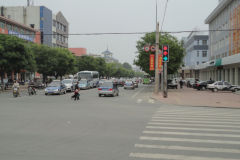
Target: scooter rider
x,y
17,86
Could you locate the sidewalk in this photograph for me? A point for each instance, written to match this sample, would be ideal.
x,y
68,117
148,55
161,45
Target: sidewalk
x,y
193,97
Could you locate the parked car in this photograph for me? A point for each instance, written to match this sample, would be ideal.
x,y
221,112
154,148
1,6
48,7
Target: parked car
x,y
220,85
235,88
129,85
68,84
108,88
172,84
55,87
202,85
84,84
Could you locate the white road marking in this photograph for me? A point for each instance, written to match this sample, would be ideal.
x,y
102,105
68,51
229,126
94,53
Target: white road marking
x,y
196,116
220,150
201,119
139,101
193,134
151,101
189,140
191,125
193,122
193,129
133,96
174,157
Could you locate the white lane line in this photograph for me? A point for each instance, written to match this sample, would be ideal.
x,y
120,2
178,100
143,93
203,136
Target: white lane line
x,y
193,129
193,134
220,150
197,116
204,119
198,112
193,122
174,157
192,125
133,96
188,140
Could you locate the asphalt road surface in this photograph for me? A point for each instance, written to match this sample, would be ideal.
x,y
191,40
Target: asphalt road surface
x,y
129,127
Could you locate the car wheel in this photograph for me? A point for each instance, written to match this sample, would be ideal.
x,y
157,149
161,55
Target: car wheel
x,y
117,94
46,94
235,90
99,95
203,88
215,90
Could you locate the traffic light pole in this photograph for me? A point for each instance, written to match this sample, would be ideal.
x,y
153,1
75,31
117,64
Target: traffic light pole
x,y
165,91
156,61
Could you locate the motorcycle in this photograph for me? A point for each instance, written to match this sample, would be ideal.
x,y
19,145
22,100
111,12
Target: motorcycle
x,y
31,90
15,92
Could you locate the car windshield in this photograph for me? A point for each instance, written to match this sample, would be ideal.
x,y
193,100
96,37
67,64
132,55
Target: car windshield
x,y
67,81
107,84
54,84
83,82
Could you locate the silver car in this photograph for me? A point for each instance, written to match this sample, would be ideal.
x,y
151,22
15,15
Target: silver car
x,y
108,88
68,84
129,85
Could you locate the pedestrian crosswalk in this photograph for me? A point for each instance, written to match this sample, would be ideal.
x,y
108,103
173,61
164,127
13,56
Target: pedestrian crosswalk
x,y
188,133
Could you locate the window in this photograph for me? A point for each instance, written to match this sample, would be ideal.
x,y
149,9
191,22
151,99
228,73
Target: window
x,y
9,27
204,53
204,42
197,63
2,25
197,53
65,28
198,42
54,23
203,62
54,35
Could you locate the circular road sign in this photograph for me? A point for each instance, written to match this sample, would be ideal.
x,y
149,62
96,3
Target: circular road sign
x,y
146,48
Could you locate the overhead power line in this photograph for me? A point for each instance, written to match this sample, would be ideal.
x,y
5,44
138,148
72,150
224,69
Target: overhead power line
x,y
139,33
164,15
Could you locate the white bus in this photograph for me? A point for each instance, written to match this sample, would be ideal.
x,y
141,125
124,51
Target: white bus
x,y
89,75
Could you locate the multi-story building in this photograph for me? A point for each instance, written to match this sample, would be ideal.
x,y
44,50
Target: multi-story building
x,y
60,31
196,47
54,28
224,36
78,51
21,31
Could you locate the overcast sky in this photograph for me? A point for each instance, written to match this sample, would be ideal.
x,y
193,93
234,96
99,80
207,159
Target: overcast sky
x,y
94,16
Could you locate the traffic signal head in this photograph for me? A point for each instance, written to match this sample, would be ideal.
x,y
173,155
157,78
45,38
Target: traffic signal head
x,y
165,51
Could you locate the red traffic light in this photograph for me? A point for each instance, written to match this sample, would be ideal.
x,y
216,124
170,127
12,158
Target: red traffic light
x,y
165,48
165,53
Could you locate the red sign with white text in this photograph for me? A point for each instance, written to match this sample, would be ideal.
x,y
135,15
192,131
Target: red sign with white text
x,y
151,62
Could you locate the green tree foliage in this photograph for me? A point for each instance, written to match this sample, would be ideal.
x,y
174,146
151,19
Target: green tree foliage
x,y
175,48
15,55
127,66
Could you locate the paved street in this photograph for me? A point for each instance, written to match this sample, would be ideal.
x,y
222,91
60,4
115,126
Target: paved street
x,y
129,127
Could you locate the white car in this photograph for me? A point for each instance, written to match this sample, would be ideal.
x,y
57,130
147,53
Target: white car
x,y
219,85
68,84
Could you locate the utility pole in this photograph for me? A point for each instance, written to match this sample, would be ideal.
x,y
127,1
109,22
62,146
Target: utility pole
x,y
156,60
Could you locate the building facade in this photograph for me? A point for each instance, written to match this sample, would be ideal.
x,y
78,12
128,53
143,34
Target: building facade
x,y
196,47
224,42
54,28
21,31
60,31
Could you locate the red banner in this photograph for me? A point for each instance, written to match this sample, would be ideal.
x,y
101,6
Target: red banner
x,y
151,62
160,62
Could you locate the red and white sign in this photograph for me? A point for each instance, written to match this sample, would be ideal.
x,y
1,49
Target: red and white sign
x,y
146,48
151,62
153,48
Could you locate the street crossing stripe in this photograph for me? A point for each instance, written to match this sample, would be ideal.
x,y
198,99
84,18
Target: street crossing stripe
x,y
220,150
203,119
174,157
193,122
189,140
193,134
194,129
197,112
199,125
